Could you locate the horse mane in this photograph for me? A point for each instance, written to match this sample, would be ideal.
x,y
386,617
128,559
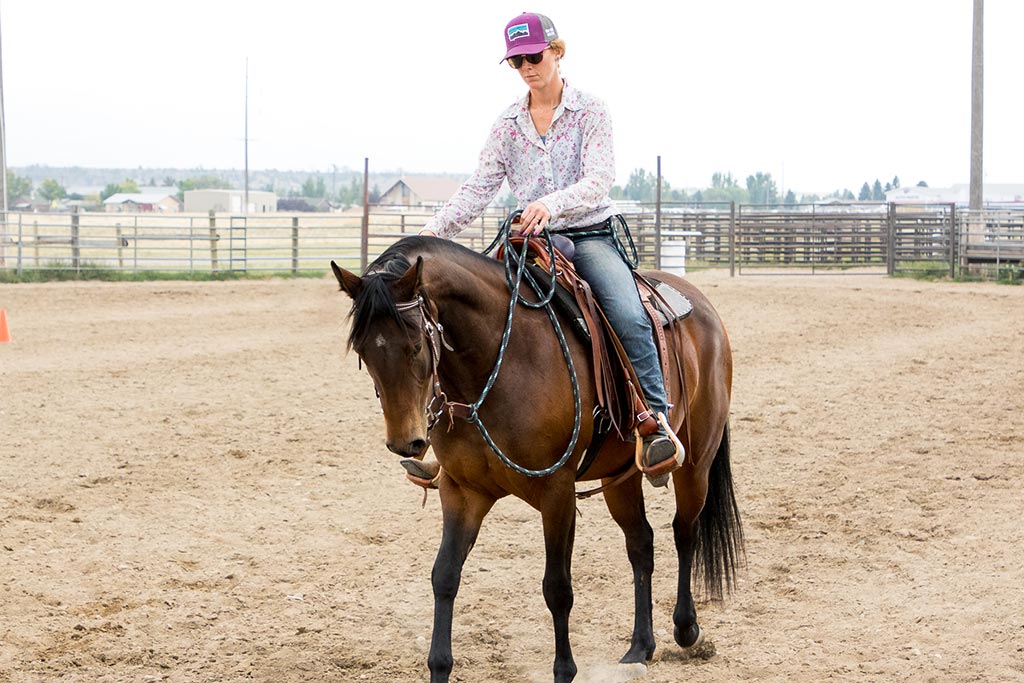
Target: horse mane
x,y
375,299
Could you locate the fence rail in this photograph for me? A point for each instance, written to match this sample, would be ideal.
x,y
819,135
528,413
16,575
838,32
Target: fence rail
x,y
744,238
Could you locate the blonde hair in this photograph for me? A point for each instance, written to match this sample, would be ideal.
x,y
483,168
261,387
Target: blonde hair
x,y
558,47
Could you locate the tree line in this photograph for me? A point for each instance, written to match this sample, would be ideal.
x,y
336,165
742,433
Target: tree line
x,y
759,188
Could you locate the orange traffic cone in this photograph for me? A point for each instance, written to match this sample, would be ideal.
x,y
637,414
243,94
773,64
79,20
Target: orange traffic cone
x,y
5,334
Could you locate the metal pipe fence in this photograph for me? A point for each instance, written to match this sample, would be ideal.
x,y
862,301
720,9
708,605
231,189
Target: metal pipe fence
x,y
679,237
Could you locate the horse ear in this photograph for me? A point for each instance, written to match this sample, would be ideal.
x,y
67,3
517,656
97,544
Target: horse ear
x,y
409,284
350,283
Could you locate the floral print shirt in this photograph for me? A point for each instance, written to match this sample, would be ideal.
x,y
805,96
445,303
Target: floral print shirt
x,y
571,172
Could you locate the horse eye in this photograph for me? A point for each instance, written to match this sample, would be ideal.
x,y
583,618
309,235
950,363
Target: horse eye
x,y
417,348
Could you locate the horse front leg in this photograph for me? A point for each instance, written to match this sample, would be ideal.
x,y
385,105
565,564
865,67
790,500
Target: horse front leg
x,y
559,533
626,504
463,512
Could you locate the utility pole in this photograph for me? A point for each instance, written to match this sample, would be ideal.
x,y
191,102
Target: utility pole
x,y
977,99
245,207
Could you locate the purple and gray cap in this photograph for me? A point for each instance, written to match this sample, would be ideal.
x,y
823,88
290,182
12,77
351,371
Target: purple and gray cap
x,y
528,34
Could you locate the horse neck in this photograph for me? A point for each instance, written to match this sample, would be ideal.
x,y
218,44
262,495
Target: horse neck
x,y
472,306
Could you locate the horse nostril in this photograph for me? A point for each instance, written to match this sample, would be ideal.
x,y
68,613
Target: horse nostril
x,y
412,449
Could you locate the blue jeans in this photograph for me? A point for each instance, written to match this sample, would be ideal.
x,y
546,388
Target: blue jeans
x,y
598,261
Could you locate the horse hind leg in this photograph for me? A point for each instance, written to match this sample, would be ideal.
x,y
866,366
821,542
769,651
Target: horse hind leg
x,y
707,530
687,632
626,505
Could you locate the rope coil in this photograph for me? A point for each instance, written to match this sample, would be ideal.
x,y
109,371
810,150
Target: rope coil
x,y
515,271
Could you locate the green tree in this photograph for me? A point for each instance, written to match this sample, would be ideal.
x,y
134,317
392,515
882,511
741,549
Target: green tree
x,y
314,188
640,187
921,183
895,181
50,190
876,192
17,187
721,181
865,193
790,199
129,186
761,189
725,188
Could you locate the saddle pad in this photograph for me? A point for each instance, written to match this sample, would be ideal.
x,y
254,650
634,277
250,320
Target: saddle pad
x,y
679,306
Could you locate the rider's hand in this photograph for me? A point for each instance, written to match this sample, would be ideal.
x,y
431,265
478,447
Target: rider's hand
x,y
427,232
535,217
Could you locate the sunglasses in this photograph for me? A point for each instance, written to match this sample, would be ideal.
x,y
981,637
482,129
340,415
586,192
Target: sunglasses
x,y
517,61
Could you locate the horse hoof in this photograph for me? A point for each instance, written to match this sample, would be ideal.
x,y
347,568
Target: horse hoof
x,y
699,647
693,635
638,655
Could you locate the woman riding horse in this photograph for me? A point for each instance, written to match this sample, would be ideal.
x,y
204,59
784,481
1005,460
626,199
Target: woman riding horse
x,y
427,320
554,146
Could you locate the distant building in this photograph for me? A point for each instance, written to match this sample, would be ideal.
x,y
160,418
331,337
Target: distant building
x,y
995,193
140,202
419,191
229,201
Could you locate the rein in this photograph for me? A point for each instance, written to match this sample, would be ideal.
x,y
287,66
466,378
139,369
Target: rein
x,y
515,270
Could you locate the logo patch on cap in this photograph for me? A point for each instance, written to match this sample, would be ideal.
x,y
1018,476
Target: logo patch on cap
x,y
518,31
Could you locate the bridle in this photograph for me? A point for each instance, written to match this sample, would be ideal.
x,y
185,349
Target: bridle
x,y
434,332
439,404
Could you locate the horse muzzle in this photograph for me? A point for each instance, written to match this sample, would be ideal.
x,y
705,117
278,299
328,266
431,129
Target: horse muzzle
x,y
410,449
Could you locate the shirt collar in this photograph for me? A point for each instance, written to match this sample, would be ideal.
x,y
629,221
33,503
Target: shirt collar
x,y
571,100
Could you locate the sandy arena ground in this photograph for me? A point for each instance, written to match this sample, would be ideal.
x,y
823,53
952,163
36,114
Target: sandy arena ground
x,y
194,487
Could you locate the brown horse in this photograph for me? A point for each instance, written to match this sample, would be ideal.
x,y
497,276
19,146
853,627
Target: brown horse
x,y
427,320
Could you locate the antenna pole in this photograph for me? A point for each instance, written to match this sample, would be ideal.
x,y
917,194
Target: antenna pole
x,y
245,206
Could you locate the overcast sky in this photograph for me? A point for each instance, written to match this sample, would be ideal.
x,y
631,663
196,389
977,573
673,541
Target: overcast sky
x,y
821,94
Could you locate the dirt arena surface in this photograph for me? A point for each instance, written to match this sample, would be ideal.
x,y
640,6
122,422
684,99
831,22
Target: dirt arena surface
x,y
194,487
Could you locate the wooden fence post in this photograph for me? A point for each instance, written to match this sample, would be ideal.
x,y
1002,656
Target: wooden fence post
x,y
732,239
890,247
952,241
76,247
657,221
295,244
213,242
21,241
120,250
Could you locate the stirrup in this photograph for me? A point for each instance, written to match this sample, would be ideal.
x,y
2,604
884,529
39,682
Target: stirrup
x,y
420,473
658,473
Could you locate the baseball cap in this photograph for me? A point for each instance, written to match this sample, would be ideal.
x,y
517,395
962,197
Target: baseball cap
x,y
528,34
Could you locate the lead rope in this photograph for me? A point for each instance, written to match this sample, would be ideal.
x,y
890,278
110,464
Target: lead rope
x,y
515,269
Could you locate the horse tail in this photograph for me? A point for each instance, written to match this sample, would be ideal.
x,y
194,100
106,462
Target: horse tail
x,y
719,543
